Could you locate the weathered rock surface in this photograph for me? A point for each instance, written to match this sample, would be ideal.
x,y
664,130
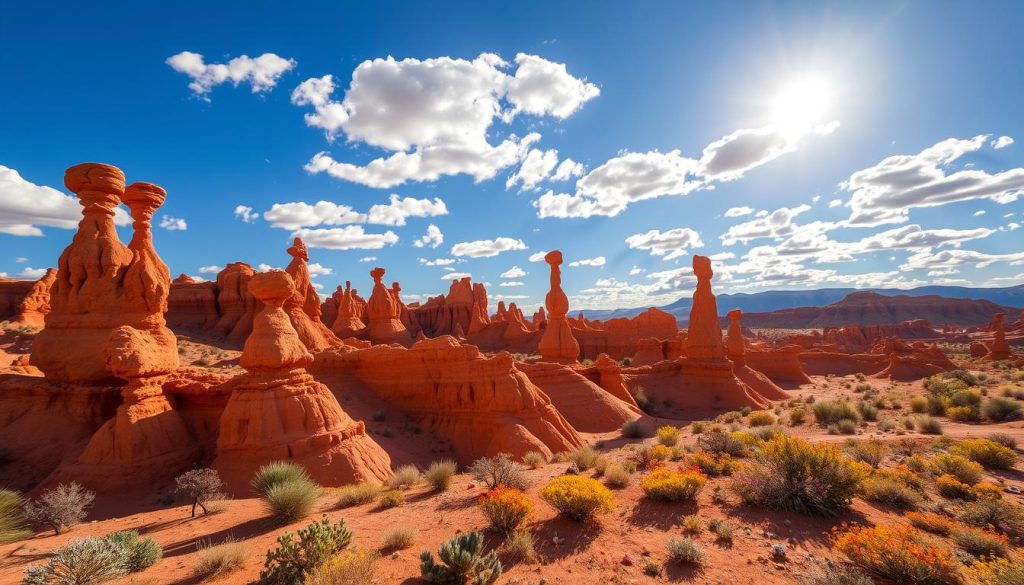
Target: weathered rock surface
x,y
191,305
557,344
303,307
587,406
998,349
32,309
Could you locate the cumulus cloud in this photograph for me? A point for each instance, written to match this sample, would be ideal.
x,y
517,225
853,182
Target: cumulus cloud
x,y
211,269
738,211
435,114
25,206
730,157
636,270
316,269
432,238
512,283
291,216
262,73
438,261
568,169
456,276
398,209
536,167
1002,142
598,261
947,261
514,272
887,191
671,244
538,256
368,259
173,224
777,223
246,214
487,248
835,203
351,237
32,273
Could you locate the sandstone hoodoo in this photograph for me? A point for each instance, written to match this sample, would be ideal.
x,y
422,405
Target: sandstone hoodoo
x,y
384,313
998,349
735,345
349,322
279,412
303,307
32,309
557,344
237,305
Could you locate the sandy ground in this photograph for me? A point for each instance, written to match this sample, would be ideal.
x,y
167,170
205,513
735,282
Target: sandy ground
x,y
591,554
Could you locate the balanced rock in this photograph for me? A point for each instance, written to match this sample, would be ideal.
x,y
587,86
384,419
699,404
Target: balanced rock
x,y
385,324
303,307
557,344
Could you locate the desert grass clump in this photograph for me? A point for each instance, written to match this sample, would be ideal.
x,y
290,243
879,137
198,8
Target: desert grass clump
x,y
928,425
843,427
535,459
1002,409
692,524
461,561
13,525
829,573
950,487
929,522
405,477
891,492
584,457
274,473
439,474
721,529
792,474
870,452
506,508
830,412
215,560
999,515
762,418
998,571
578,498
633,429
200,486
391,499
711,464
60,508
981,543
797,416
988,453
292,499
294,559
900,554
668,435
357,493
616,476
719,441
139,553
685,551
400,537
960,467
500,470
520,546
1003,439
350,567
673,486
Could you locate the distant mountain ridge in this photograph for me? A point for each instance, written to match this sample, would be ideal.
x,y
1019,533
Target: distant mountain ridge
x,y
1010,297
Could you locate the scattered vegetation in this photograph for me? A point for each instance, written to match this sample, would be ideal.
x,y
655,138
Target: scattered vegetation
x,y
519,545
673,486
90,561
391,499
60,508
685,551
461,561
667,435
405,477
535,459
929,522
292,499
294,559
219,559
275,473
439,474
578,498
358,493
633,429
200,486
506,508
12,518
616,476
500,470
584,457
831,412
350,567
900,554
988,453
980,543
400,537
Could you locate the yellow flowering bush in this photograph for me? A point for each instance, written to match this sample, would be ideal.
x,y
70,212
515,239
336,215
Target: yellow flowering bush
x,y
578,497
506,508
900,554
673,486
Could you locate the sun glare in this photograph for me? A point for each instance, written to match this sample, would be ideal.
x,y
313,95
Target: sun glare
x,y
801,104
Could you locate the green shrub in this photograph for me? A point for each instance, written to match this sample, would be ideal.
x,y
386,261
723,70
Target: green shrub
x,y
718,441
358,493
500,470
685,551
59,508
461,561
405,477
139,554
981,543
721,529
989,454
870,452
293,559
1003,439
928,425
795,475
1002,409
998,514
88,561
867,411
12,518
889,491
843,427
292,498
439,474
274,473
830,412
633,429
797,416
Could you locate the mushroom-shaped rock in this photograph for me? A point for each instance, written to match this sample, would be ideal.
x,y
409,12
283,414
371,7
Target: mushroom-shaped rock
x,y
385,325
557,344
303,306
279,412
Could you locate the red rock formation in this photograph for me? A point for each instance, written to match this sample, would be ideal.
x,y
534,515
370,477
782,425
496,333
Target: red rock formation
x,y
484,406
32,309
735,346
649,351
384,311
350,308
704,336
11,294
279,412
102,285
587,406
192,306
557,344
978,349
237,306
736,349
860,338
610,378
329,308
441,314
620,337
404,315
908,362
539,319
998,349
303,307
782,364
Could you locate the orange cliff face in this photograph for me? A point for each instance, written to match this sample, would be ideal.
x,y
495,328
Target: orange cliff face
x,y
279,412
34,307
557,344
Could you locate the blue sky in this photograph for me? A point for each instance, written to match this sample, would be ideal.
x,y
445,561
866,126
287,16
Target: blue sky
x,y
801,145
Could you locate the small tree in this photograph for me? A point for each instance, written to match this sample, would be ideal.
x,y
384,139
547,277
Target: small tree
x,y
200,486
500,470
61,507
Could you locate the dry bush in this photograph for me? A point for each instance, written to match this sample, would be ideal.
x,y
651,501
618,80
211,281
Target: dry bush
x,y
520,546
535,459
400,537
584,457
59,508
12,517
616,476
500,470
405,477
219,559
685,551
200,486
354,567
356,494
439,474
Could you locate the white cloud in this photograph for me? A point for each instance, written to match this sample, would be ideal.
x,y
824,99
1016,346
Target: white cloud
x,y
886,192
730,157
512,283
777,223
598,261
25,206
246,214
262,73
670,244
536,167
514,272
568,169
487,248
738,211
438,261
636,270
316,269
946,260
291,216
538,256
173,223
835,203
979,213
368,259
1002,142
211,269
21,259
396,212
351,237
435,114
433,238
32,273
456,276
264,267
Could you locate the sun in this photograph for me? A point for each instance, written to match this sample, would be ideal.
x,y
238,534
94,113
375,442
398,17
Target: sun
x,y
800,104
